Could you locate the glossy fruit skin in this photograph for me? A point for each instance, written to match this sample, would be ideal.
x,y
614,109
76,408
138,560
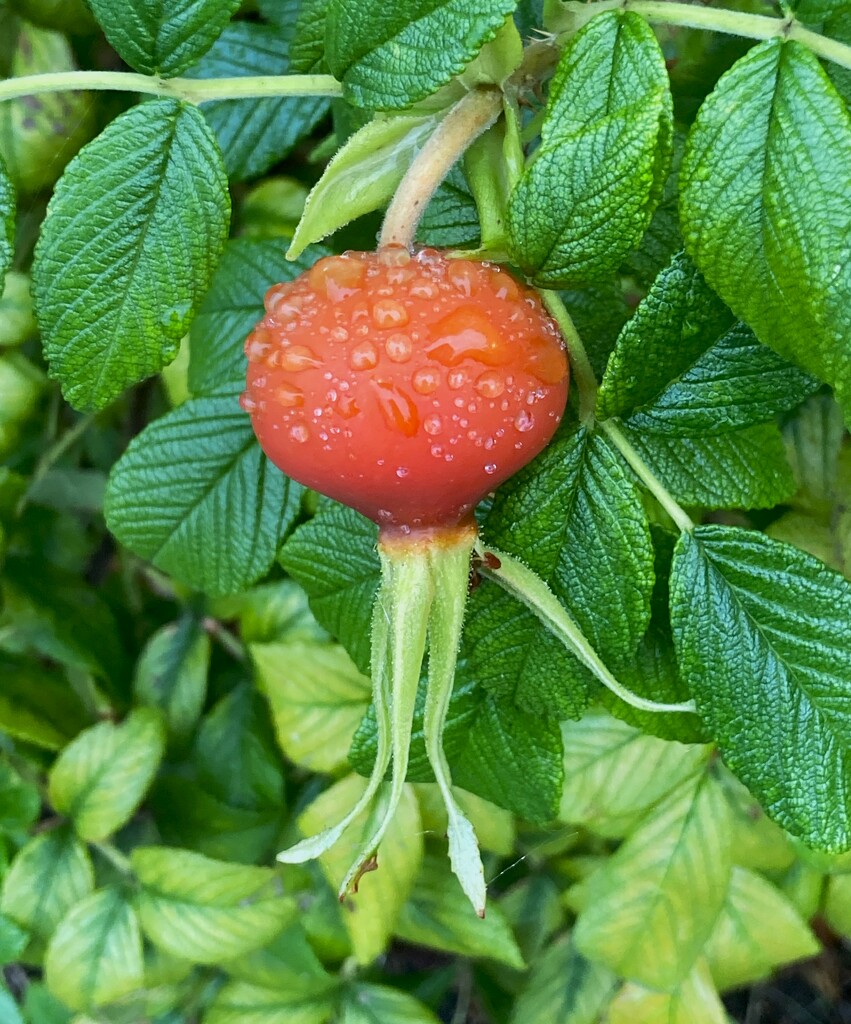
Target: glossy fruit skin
x,y
406,386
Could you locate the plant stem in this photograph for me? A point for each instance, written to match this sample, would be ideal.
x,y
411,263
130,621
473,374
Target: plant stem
x,y
647,476
188,89
580,364
52,455
735,23
115,857
469,117
531,591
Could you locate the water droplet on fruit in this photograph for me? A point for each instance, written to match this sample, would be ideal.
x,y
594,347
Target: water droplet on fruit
x,y
507,289
490,468
432,424
299,357
399,348
299,433
247,403
258,344
337,277
547,363
289,396
524,421
347,407
393,255
277,295
384,516
426,380
422,288
464,276
364,356
402,472
466,333
397,407
490,384
388,313
457,379
339,334
436,450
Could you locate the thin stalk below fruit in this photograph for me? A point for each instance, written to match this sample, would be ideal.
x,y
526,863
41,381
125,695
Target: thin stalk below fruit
x,y
531,591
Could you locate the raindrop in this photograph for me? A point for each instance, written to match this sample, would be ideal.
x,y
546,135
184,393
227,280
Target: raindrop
x,y
364,356
299,433
524,421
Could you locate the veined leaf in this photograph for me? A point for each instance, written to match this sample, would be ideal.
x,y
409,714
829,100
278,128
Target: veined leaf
x,y
371,916
205,910
233,305
317,698
194,494
564,988
615,775
388,56
741,469
13,941
254,134
101,777
240,1002
95,955
654,903
437,916
694,1001
764,205
371,1004
340,576
763,632
551,513
46,878
758,931
37,705
307,50
591,189
133,234
164,37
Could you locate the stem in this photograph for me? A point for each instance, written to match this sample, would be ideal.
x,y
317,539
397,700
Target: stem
x,y
465,121
531,591
115,857
52,455
450,569
188,89
580,364
646,475
735,23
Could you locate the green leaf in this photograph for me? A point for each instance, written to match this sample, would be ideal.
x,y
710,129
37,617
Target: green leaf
x,y
13,940
758,931
95,955
37,706
164,37
240,1002
287,963
700,372
101,777
133,234
693,1001
390,56
494,826
17,322
46,878
232,307
171,674
588,195
237,732
438,917
837,904
39,134
9,1009
379,1004
814,439
763,632
371,915
41,1007
254,134
362,175
742,469
317,698
194,494
7,221
204,910
615,775
20,802
654,903
564,988
307,50
333,557
762,214
576,518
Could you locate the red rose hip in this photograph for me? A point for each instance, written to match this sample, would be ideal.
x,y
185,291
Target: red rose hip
x,y
407,387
